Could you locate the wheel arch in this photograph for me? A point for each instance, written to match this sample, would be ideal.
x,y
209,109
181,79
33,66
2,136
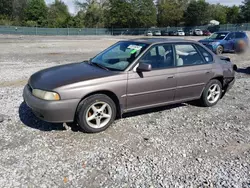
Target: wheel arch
x,y
220,78
110,94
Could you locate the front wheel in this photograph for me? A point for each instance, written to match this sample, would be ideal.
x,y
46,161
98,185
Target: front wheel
x,y
96,113
219,50
212,93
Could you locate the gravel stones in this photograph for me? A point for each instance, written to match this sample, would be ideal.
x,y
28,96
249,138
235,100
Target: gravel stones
x,y
181,146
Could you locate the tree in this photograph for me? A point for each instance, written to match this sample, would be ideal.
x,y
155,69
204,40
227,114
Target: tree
x,y
218,12
144,13
36,11
197,13
245,11
119,14
233,14
58,14
6,7
77,21
18,13
170,13
94,15
130,13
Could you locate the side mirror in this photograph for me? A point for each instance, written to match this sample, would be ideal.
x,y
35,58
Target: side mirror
x,y
144,67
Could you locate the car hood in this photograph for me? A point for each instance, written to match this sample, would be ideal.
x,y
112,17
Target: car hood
x,y
51,78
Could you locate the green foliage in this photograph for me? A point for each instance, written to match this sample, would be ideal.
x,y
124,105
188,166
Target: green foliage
x,y
119,13
170,13
6,7
94,15
245,11
218,12
36,11
233,14
58,15
197,13
144,12
134,13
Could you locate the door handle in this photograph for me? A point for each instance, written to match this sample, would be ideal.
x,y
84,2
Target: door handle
x,y
170,77
208,72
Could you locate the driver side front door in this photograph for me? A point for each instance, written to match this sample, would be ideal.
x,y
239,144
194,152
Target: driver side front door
x,y
156,87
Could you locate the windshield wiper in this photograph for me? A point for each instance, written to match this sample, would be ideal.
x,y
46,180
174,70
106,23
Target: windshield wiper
x,y
98,65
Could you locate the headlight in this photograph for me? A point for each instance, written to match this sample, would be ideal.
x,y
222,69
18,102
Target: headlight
x,y
46,95
214,43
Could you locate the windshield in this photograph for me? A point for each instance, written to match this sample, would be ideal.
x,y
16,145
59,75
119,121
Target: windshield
x,y
218,36
119,56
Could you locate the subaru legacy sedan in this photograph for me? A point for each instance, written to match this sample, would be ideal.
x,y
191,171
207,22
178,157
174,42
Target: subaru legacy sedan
x,y
129,76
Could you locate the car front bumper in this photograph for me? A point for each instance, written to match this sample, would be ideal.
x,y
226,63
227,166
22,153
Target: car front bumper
x,y
51,111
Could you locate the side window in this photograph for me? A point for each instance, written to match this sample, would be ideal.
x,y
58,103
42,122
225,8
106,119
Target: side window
x,y
230,36
187,55
159,56
240,35
207,56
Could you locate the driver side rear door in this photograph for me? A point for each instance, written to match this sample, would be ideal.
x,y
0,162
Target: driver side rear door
x,y
193,71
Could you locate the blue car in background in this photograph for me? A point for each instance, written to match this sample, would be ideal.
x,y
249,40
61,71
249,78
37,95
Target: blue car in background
x,y
227,41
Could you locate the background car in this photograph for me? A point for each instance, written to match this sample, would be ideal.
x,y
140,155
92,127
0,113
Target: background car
x,y
157,33
206,33
164,33
173,33
180,33
226,41
129,76
198,32
189,33
149,33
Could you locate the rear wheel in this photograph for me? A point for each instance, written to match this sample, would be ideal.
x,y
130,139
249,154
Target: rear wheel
x,y
219,49
212,93
96,113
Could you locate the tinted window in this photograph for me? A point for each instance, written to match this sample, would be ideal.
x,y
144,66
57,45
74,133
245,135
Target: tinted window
x,y
230,36
207,56
187,55
240,35
160,56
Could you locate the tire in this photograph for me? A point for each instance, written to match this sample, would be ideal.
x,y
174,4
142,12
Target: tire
x,y
219,50
216,94
90,115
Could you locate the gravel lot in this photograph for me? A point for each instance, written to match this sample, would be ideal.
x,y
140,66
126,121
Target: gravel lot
x,y
177,146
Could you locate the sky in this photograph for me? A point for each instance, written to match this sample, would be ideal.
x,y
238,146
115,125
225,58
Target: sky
x,y
72,7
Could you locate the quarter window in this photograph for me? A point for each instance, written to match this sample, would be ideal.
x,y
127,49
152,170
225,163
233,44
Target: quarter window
x,y
159,56
187,55
207,56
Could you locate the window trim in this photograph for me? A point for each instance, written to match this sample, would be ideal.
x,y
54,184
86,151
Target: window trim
x,y
203,55
192,44
148,50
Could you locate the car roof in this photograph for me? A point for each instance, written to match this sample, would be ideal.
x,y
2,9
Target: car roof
x,y
160,40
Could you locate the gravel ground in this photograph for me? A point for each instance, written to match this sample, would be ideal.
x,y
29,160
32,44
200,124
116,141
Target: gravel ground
x,y
176,146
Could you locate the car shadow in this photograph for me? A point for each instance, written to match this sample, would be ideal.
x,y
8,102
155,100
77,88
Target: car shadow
x,y
244,71
29,119
152,110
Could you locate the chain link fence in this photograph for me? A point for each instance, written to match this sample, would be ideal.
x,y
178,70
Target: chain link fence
x,y
113,31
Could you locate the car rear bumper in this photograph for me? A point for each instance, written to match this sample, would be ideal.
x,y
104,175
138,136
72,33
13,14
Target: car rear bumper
x,y
51,111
